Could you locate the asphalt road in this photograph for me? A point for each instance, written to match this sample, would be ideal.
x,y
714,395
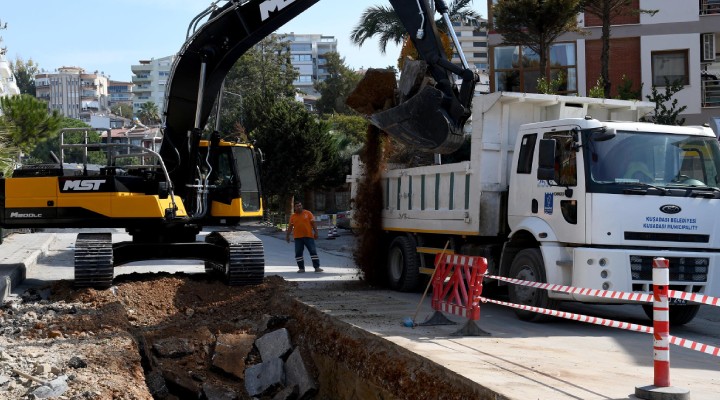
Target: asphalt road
x,y
553,361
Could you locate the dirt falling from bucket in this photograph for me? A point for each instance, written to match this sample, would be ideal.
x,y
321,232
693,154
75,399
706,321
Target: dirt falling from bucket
x,y
375,92
369,249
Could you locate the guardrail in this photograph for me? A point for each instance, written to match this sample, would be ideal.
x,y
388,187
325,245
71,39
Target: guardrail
x,y
709,7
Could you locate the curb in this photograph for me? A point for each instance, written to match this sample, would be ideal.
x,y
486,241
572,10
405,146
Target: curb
x,y
13,274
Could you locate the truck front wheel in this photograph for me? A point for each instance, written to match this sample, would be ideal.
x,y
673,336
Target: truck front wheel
x,y
402,265
679,314
528,266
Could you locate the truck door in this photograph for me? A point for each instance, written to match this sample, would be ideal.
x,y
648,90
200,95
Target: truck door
x,y
562,200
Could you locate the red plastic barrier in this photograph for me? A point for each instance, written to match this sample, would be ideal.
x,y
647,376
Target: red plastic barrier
x,y
457,285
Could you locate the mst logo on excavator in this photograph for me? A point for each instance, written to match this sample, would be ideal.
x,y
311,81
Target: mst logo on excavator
x,y
83,185
272,5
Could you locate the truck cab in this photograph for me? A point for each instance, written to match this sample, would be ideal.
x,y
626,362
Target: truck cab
x,y
603,199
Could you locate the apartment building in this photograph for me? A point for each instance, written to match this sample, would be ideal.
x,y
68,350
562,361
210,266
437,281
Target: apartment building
x,y
473,38
678,42
150,78
8,85
120,93
73,92
307,54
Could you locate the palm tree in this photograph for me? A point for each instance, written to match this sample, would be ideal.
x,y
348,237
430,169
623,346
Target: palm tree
x,y
149,113
381,21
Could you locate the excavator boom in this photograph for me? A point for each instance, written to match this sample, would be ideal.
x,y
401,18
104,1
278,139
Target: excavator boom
x,y
433,121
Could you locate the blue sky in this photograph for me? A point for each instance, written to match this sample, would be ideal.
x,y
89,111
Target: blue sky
x,y
110,36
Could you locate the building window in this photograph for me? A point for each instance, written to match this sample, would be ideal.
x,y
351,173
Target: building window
x,y
517,69
300,47
670,66
301,57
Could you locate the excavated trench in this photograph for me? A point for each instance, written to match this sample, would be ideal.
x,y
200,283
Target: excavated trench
x,y
198,338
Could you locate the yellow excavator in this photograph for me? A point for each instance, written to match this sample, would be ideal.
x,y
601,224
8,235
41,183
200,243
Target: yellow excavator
x,y
164,198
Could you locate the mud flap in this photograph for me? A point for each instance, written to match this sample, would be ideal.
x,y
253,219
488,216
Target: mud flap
x,y
421,121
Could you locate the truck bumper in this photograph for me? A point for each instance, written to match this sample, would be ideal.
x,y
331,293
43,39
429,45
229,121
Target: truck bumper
x,y
626,270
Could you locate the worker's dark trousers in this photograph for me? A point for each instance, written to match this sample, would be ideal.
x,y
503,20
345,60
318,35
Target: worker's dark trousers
x,y
300,244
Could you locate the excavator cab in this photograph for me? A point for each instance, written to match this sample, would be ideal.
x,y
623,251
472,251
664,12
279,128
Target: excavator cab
x,y
233,182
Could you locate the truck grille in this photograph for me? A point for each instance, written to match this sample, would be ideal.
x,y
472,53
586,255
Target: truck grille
x,y
682,269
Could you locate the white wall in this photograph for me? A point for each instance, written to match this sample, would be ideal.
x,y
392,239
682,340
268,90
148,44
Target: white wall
x,y
690,95
581,68
670,11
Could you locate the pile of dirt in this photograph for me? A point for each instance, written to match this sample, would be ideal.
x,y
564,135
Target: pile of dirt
x,y
159,331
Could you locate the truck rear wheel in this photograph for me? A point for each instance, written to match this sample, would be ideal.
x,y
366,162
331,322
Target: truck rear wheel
x,y
528,266
402,266
679,314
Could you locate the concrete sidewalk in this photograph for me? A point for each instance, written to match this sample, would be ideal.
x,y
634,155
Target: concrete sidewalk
x,y
18,252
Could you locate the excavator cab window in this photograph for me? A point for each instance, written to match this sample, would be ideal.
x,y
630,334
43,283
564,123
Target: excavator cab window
x,y
248,174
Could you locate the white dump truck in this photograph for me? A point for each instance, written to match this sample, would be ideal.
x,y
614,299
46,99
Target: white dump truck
x,y
558,190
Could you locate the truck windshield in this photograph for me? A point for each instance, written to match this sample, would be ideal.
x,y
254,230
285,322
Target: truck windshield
x,y
652,159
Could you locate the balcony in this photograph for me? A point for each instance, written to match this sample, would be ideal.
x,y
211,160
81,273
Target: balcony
x,y
710,91
709,7
140,78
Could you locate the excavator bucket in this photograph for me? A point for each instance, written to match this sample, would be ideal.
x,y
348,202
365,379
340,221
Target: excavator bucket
x,y
422,122
415,112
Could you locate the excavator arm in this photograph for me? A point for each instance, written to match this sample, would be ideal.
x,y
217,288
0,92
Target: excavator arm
x,y
433,122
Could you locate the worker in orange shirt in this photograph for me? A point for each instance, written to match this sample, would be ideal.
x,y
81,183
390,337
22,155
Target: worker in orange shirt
x,y
302,226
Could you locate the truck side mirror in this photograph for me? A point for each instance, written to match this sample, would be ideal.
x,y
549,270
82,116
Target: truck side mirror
x,y
546,160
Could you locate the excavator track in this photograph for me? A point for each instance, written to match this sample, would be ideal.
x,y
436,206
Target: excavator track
x,y
245,264
94,260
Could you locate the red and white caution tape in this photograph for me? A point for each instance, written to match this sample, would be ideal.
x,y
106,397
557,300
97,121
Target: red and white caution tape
x,y
634,296
575,317
695,297
697,346
689,344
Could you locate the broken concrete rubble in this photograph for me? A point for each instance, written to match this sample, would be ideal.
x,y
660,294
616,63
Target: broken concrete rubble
x,y
297,375
275,344
231,351
291,375
262,377
214,392
173,347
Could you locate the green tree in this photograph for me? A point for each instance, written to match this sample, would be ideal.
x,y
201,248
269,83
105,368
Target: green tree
x,y
552,86
122,110
666,110
260,77
347,137
25,75
352,126
43,150
606,10
8,152
335,89
535,24
149,113
382,22
626,90
27,120
294,144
